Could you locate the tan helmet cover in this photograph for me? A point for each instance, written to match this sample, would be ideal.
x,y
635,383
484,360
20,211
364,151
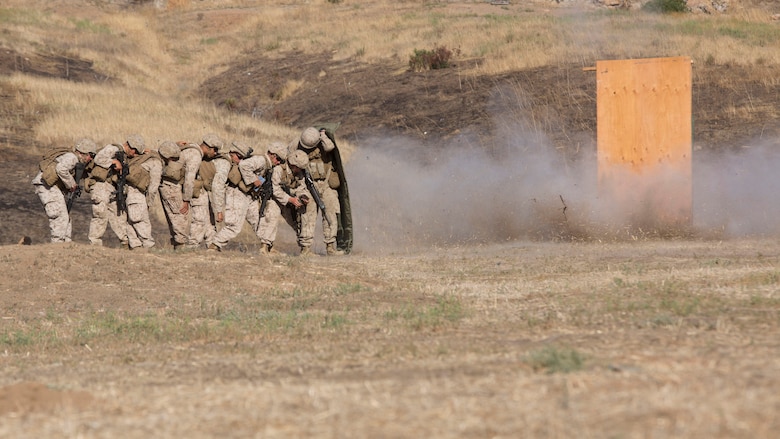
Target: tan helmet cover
x,y
86,146
278,148
241,148
214,141
310,137
136,142
169,150
299,159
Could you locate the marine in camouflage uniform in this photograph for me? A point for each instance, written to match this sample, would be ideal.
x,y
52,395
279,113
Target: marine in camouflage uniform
x,y
290,198
214,173
59,166
143,182
200,171
171,193
318,147
245,178
104,176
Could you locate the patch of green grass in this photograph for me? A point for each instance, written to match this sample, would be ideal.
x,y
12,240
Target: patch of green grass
x,y
29,337
334,321
20,16
662,320
754,34
500,18
87,25
349,288
555,360
447,310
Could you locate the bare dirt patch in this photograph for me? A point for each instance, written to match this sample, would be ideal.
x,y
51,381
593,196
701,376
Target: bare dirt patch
x,y
49,65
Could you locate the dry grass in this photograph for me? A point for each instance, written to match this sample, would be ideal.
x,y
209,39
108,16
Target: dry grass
x,y
160,56
524,340
109,113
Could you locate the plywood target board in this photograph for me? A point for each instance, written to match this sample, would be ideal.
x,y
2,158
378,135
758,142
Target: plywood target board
x,y
644,137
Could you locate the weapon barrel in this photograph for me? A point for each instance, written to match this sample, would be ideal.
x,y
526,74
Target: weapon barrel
x,y
78,175
315,194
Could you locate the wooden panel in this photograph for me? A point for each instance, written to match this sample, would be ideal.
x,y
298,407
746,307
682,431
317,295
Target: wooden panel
x,y
644,135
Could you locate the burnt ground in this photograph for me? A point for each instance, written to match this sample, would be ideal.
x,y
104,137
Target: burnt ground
x,y
439,104
734,106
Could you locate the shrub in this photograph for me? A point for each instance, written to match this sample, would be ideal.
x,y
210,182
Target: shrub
x,y
666,6
438,58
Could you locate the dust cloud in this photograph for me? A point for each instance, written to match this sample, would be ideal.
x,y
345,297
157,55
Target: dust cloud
x,y
408,195
737,193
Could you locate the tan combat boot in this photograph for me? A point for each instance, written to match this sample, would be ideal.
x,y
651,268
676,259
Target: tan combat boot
x,y
333,251
265,249
306,251
214,247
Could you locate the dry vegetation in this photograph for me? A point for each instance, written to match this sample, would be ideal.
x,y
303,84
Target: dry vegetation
x,y
613,339
658,339
158,57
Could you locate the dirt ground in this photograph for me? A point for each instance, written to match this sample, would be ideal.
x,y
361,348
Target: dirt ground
x,y
674,338
660,339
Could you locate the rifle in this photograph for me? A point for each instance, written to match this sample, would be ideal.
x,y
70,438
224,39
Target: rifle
x,y
80,167
265,191
315,194
121,202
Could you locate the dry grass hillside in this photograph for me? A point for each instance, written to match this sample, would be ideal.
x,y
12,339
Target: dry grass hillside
x,y
488,294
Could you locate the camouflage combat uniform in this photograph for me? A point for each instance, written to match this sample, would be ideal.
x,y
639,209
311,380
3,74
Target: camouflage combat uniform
x,y
204,178
318,147
140,194
192,192
281,207
239,204
52,196
104,207
170,190
213,174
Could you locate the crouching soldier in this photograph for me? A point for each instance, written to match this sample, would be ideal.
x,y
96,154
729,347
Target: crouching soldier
x,y
239,204
321,149
290,199
171,193
202,164
245,185
108,191
61,171
143,180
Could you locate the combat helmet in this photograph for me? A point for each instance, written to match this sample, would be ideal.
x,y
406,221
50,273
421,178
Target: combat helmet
x,y
169,150
310,137
136,142
279,149
212,140
86,146
241,149
298,159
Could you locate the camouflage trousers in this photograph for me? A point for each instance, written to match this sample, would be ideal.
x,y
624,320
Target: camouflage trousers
x,y
269,223
202,226
53,200
171,198
104,213
239,207
139,225
309,217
